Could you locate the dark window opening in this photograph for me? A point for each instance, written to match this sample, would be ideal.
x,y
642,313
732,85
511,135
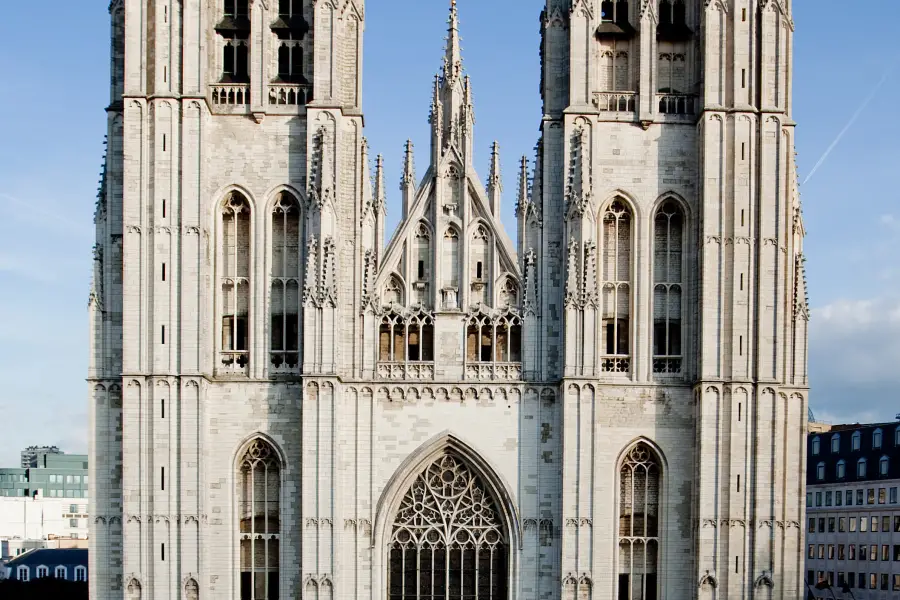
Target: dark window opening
x,y
290,63
285,334
164,209
163,409
487,344
237,8
162,478
163,336
234,334
235,66
617,336
164,271
162,551
421,271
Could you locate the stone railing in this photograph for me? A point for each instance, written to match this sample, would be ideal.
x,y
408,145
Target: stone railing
x,y
232,94
284,363
288,94
405,370
667,365
233,362
615,364
615,101
494,371
677,105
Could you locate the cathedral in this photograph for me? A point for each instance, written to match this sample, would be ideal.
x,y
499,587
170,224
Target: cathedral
x,y
609,403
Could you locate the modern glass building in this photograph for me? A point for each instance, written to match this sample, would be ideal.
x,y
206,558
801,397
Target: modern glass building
x,y
54,476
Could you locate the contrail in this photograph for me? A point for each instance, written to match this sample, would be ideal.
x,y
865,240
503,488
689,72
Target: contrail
x,y
850,123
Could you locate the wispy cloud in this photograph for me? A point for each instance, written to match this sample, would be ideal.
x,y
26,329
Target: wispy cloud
x,y
39,211
17,267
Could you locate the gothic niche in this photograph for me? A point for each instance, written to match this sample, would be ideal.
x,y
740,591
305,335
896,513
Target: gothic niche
x,y
450,270
480,271
448,540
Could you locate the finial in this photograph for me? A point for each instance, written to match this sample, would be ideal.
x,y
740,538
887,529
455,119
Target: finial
x,y
495,165
409,166
380,195
522,200
453,58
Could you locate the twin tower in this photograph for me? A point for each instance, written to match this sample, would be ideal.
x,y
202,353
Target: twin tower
x,y
285,404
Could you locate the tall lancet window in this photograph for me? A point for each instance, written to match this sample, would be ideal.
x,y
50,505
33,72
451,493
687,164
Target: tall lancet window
x,y
285,279
616,336
234,29
259,508
421,265
448,539
668,273
234,276
639,486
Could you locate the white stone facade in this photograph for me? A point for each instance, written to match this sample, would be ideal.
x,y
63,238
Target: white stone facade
x,y
41,518
251,323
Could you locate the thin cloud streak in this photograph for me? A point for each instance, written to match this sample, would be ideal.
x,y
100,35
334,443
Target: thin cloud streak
x,y
856,115
31,210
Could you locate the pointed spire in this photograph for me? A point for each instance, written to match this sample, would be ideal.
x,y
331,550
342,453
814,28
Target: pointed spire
x,y
453,57
495,185
522,199
380,195
408,182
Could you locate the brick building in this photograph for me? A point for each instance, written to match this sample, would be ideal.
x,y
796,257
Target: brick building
x,y
286,404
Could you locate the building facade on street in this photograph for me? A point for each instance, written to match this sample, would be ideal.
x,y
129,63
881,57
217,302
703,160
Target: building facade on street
x,y
285,403
70,564
50,475
853,509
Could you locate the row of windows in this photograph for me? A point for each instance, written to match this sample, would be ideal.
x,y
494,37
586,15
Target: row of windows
x,y
840,469
37,476
289,29
855,580
20,493
845,498
866,524
23,573
866,552
855,441
449,535
670,12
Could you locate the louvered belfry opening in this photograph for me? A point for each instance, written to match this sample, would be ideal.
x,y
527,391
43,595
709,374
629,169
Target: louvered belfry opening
x,y
448,538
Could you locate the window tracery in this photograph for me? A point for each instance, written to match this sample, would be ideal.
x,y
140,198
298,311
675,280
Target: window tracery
x,y
448,539
406,337
285,278
259,506
234,278
668,285
616,257
639,490
494,338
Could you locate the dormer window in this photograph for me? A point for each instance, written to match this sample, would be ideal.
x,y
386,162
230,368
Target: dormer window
x,y
855,441
816,443
876,439
835,443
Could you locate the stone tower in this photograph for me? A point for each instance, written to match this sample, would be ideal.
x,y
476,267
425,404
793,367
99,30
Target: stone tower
x,y
286,404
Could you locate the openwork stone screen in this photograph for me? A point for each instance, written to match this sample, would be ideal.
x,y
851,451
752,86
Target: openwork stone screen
x,y
259,509
639,483
448,539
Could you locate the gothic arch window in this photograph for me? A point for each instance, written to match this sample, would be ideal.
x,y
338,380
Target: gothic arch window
x,y
876,439
836,443
856,440
816,445
639,489
234,30
668,281
617,225
820,471
421,264
406,338
285,277
841,470
259,520
235,280
448,539
861,469
480,265
494,339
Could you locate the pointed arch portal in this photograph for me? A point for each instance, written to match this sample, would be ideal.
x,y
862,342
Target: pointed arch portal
x,y
448,537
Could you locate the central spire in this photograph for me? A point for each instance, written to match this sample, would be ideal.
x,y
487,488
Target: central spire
x,y
453,56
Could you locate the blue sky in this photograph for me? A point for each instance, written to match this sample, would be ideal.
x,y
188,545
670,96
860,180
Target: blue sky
x,y
53,123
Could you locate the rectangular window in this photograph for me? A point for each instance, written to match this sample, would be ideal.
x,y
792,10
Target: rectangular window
x,y
821,551
842,524
873,581
870,496
885,553
838,498
859,497
162,551
811,551
828,498
809,498
885,523
849,501
812,526
851,552
841,553
818,498
73,523
822,525
163,335
164,271
874,527
896,552
841,579
862,581
162,478
896,586
831,524
896,524
863,552
863,524
882,496
873,552
234,333
893,496
164,209
884,582
163,409
830,551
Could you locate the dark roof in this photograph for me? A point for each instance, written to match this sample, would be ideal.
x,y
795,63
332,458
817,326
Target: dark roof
x,y
51,557
851,457
620,29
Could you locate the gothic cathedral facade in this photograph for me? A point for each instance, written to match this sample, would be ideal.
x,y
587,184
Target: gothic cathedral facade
x,y
286,405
